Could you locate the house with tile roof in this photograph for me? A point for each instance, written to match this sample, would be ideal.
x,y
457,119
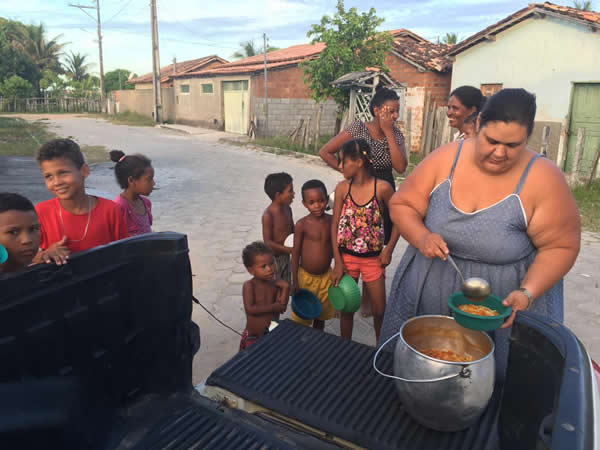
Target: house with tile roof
x,y
552,51
238,88
177,68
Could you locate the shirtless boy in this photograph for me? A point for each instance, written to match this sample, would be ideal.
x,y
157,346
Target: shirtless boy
x,y
264,298
278,223
312,253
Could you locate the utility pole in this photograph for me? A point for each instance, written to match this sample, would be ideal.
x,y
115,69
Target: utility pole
x,y
266,92
97,8
155,64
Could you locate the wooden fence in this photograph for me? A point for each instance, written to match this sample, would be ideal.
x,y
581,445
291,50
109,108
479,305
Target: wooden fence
x,y
50,105
578,175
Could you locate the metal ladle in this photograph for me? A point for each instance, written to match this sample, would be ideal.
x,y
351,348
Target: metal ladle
x,y
473,288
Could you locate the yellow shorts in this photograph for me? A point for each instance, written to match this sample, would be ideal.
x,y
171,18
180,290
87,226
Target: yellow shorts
x,y
318,285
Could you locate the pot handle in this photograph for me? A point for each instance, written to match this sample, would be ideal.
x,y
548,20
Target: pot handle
x,y
464,373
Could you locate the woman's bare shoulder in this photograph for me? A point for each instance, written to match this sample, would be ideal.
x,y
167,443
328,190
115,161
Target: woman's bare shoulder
x,y
439,162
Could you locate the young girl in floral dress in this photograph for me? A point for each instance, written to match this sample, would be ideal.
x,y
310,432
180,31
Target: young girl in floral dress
x,y
135,175
357,231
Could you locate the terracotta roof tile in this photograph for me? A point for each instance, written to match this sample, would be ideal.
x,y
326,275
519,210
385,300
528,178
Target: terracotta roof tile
x,y
166,72
426,54
277,58
592,18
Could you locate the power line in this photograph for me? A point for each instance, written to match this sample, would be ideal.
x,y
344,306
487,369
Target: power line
x,y
119,12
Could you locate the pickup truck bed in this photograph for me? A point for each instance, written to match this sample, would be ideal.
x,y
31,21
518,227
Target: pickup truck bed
x,y
328,384
98,354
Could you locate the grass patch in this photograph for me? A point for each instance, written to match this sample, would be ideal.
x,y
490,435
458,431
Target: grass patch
x,y
129,118
588,200
20,137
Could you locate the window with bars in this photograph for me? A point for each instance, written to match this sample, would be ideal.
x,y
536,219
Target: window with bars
x,y
207,88
184,88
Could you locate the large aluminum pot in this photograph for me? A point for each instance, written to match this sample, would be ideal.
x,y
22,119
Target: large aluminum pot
x,y
442,395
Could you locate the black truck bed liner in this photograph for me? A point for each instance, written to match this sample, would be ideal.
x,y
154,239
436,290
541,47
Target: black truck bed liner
x,y
329,384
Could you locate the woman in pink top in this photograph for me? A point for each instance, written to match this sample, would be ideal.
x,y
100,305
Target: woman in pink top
x,y
135,175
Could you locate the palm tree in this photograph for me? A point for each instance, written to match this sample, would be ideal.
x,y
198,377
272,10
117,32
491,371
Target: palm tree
x,y
248,50
582,5
76,68
44,52
450,38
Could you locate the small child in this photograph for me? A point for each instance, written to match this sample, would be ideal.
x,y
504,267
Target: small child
x,y
264,298
357,230
312,253
135,175
278,223
19,231
73,221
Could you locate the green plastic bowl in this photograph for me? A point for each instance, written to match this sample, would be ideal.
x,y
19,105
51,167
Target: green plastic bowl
x,y
3,254
474,322
345,297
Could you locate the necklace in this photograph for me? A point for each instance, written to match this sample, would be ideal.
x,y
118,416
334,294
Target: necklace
x,y
86,225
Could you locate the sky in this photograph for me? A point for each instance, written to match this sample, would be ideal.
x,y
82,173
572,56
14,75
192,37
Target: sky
x,y
190,29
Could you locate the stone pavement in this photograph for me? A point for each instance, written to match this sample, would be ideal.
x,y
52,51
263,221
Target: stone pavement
x,y
213,192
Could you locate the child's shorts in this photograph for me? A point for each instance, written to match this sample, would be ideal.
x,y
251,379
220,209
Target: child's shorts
x,y
318,285
283,268
368,268
249,339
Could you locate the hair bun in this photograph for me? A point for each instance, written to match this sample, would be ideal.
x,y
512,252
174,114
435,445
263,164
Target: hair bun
x,y
116,155
379,87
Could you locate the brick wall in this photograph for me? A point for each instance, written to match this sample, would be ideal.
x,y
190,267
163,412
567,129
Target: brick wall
x,y
285,115
418,85
283,83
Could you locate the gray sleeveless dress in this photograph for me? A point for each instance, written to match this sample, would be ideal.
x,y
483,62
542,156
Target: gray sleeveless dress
x,y
491,243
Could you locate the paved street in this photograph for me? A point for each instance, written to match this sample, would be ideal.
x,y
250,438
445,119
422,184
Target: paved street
x,y
213,192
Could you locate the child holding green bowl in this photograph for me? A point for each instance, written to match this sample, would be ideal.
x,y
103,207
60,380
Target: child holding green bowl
x,y
357,230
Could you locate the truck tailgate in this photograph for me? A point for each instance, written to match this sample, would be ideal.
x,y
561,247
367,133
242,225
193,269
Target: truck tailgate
x,y
328,383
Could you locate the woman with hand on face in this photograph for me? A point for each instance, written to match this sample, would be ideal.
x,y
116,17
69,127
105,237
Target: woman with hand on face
x,y
387,150
503,212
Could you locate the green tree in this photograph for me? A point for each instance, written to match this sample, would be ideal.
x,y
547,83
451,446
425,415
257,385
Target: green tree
x,y
16,87
352,44
117,79
248,49
12,60
583,5
44,52
450,38
88,87
52,84
76,67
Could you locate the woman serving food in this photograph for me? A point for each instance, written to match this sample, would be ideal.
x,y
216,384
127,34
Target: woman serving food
x,y
505,214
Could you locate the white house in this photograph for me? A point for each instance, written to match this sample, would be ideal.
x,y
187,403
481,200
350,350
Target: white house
x,y
552,51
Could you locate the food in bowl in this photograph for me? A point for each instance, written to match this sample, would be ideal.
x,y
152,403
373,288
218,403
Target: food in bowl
x,y
446,355
478,310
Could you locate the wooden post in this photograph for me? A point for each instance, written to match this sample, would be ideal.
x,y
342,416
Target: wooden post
x,y
297,132
562,144
318,127
594,167
578,152
352,106
425,119
545,140
305,137
408,127
429,129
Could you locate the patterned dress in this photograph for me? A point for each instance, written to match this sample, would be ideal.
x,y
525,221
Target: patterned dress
x,y
491,243
361,229
382,160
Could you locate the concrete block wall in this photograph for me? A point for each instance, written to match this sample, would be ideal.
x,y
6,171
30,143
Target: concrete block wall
x,y
285,115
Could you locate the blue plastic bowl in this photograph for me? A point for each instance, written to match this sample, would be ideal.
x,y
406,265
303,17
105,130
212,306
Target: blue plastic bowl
x,y
3,254
306,305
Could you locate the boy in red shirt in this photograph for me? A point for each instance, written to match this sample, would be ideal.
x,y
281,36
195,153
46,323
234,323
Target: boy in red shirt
x,y
73,221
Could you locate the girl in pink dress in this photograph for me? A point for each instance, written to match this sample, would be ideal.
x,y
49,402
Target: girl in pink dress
x,y
135,175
